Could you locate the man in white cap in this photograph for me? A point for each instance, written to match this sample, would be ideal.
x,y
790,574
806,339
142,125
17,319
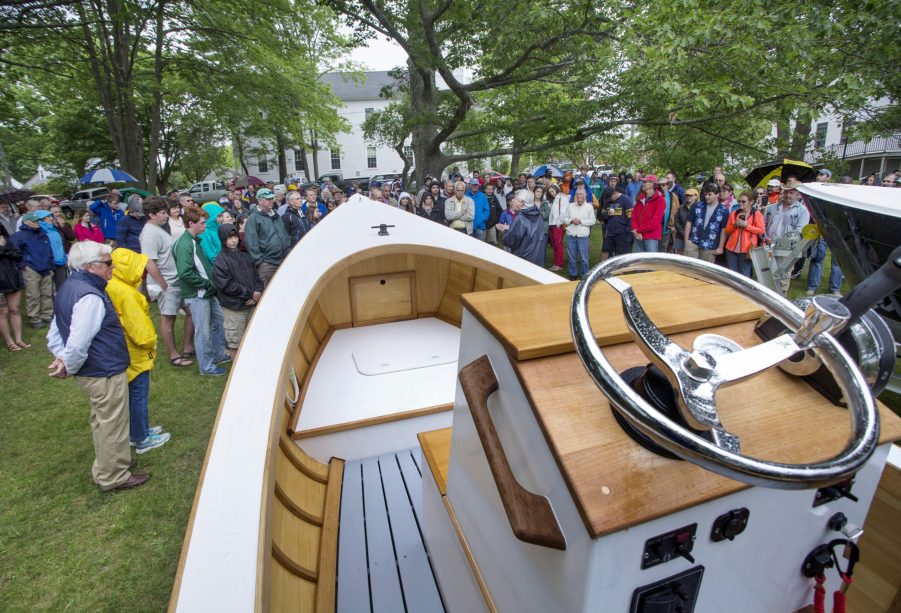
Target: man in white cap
x,y
824,175
790,215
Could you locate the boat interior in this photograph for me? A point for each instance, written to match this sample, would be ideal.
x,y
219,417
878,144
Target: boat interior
x,y
361,496
385,327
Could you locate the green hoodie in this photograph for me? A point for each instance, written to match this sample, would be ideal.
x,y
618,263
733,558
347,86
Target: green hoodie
x,y
189,277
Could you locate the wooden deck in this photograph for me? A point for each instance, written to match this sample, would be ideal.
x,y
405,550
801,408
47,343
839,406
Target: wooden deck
x,y
383,565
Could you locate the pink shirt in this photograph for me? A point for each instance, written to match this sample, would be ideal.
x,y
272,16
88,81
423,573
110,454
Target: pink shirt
x,y
83,234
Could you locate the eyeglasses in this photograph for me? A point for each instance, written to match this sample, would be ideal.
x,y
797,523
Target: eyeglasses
x,y
104,262
744,200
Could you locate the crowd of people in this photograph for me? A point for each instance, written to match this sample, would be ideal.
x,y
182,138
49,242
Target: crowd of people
x,y
92,282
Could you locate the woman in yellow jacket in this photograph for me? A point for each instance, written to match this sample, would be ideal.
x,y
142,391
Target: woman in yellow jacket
x,y
140,336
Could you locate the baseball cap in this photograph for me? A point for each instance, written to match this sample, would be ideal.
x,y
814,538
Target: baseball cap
x,y
691,192
651,178
473,181
774,183
824,171
265,193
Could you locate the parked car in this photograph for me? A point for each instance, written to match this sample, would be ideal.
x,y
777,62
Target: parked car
x,y
336,178
207,191
378,180
81,200
348,184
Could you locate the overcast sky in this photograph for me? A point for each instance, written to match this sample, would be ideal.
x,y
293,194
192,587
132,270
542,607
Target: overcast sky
x,y
380,54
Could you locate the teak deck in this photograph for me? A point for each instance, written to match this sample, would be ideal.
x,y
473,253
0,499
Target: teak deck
x,y
615,482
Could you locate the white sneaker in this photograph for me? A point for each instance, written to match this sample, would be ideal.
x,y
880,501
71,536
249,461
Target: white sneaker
x,y
152,431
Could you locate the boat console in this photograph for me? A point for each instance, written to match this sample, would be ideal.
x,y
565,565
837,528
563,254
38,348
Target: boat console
x,y
650,457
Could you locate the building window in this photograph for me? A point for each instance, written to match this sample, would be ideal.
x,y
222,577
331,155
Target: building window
x,y
847,125
408,152
369,112
262,163
371,161
336,159
300,162
820,139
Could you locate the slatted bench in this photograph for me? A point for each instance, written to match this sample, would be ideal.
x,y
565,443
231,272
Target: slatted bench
x,y
383,564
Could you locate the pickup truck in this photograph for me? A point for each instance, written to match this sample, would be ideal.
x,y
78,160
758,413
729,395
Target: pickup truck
x,y
81,200
207,191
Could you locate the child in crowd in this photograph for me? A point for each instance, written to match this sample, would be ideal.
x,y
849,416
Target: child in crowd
x,y
240,287
140,336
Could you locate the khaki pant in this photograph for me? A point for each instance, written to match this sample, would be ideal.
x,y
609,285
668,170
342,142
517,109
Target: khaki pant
x,y
109,428
38,295
693,251
266,272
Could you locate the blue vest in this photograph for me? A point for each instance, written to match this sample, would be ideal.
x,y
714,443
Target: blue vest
x,y
108,353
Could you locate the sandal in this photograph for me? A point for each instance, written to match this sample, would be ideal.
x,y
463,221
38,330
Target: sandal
x,y
188,354
13,347
180,362
24,345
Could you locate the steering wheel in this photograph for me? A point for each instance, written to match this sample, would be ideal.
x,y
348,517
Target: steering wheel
x,y
715,361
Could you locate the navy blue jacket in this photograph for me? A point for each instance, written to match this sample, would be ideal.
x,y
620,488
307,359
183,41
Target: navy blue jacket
x,y
526,236
34,245
128,232
108,353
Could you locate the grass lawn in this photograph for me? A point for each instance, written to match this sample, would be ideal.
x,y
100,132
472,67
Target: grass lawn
x,y
66,545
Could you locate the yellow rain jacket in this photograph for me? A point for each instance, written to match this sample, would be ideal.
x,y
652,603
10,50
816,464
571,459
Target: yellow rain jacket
x,y
133,310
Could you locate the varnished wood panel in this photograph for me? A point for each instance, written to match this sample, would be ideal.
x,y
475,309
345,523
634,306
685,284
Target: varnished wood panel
x,y
617,484
309,344
309,466
304,493
372,421
486,281
318,322
290,593
383,297
299,540
460,280
877,577
436,448
534,321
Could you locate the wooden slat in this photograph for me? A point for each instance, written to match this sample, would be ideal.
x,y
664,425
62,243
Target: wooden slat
x,y
383,576
372,421
419,590
304,463
541,326
436,448
326,592
460,280
353,579
617,484
877,577
486,281
318,322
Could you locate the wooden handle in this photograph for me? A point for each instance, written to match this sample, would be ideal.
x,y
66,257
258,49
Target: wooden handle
x,y
530,515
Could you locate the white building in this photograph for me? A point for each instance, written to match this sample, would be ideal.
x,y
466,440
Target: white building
x,y
353,157
878,155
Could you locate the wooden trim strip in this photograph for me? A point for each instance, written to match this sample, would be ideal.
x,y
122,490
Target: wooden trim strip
x,y
473,565
328,541
530,515
284,442
294,508
293,567
372,421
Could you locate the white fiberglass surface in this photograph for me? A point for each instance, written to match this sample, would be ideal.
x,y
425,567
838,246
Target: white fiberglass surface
x,y
378,370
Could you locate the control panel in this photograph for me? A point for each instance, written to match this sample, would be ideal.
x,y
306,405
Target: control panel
x,y
665,547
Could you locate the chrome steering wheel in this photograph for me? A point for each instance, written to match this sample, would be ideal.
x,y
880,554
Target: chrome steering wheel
x,y
715,361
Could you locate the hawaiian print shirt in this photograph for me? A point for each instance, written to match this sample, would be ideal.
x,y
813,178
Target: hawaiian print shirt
x,y
707,236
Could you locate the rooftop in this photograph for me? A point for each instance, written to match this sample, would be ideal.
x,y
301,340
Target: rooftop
x,y
347,88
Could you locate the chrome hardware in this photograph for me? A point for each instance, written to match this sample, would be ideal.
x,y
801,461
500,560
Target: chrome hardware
x,y
714,362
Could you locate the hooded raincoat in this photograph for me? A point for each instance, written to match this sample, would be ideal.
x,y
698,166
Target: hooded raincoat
x,y
209,240
132,308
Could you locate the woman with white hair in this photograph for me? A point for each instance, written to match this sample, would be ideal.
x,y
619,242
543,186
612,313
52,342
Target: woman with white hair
x,y
88,344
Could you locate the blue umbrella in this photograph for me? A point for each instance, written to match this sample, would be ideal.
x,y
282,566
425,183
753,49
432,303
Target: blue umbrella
x,y
555,172
108,175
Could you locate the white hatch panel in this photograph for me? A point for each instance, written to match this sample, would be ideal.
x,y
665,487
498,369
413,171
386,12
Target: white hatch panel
x,y
374,371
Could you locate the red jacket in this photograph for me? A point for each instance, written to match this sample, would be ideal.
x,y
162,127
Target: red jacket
x,y
647,215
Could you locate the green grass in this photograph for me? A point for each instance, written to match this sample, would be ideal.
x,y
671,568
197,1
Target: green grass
x,y
64,544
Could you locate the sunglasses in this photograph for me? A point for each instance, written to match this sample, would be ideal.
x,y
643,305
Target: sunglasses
x,y
105,262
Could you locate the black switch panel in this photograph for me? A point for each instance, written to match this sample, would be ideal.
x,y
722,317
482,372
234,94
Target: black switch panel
x,y
665,547
842,489
729,525
676,594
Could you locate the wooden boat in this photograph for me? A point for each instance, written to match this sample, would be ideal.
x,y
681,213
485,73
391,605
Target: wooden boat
x,y
407,427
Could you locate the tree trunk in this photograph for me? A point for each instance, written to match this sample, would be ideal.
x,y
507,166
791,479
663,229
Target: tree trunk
x,y
239,145
430,159
515,158
783,137
306,163
404,174
800,135
282,160
156,107
315,146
